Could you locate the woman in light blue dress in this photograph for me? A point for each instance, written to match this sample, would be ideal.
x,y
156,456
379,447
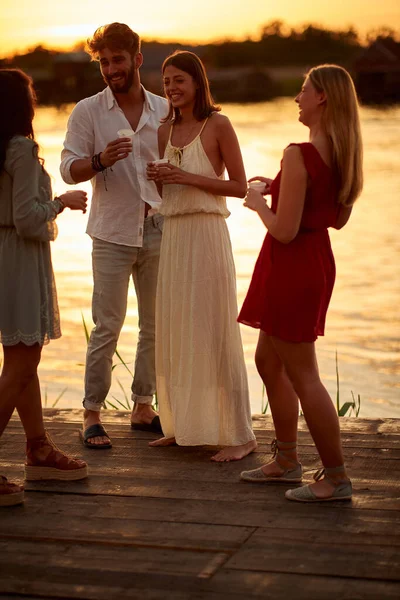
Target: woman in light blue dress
x,y
29,316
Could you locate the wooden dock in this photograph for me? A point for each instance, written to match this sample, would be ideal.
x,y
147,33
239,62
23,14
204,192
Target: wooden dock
x,y
166,523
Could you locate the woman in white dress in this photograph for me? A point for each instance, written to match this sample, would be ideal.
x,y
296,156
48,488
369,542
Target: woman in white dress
x,y
202,384
29,315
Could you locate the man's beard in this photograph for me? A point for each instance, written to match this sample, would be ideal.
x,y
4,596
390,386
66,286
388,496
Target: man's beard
x,y
121,88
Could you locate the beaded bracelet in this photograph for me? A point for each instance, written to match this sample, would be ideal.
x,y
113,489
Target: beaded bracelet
x,y
96,163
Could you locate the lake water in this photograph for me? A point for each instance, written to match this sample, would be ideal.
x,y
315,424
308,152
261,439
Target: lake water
x,y
363,322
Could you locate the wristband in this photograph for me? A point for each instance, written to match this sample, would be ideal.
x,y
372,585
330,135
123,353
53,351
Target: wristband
x,y
96,163
61,204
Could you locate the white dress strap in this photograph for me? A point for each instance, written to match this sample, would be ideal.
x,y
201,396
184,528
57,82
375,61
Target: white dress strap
x,y
202,127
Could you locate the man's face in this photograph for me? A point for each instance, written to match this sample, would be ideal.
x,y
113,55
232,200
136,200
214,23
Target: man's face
x,y
118,69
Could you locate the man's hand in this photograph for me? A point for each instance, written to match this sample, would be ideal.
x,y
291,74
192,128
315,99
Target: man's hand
x,y
116,150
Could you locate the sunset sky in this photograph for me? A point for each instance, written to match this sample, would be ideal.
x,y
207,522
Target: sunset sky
x,y
26,23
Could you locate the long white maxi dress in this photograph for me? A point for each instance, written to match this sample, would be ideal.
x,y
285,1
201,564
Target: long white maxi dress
x,y
202,383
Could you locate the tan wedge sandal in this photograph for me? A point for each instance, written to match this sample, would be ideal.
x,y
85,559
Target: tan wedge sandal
x,y
10,493
45,461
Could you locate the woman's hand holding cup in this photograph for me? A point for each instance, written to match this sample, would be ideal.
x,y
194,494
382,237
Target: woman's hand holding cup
x,y
261,184
153,168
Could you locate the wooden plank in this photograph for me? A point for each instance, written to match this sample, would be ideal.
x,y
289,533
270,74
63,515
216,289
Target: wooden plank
x,y
371,494
320,553
101,585
385,498
231,524
225,584
54,556
77,570
131,448
89,582
386,446
66,434
182,464
288,586
264,422
59,525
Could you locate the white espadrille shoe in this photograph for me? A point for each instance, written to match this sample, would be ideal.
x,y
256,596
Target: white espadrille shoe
x,y
293,474
343,490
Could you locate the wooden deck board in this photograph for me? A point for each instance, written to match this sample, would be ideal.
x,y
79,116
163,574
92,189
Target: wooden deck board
x,y
168,523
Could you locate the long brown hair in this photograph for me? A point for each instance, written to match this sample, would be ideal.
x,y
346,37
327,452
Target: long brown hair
x,y
341,122
190,63
17,108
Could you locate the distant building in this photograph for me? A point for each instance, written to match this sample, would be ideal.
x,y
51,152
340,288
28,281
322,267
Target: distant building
x,y
377,72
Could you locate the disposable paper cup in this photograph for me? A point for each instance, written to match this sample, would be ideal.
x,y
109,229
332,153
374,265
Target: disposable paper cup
x,y
122,133
161,161
259,186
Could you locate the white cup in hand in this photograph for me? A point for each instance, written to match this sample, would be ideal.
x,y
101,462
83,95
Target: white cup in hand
x,y
259,186
123,133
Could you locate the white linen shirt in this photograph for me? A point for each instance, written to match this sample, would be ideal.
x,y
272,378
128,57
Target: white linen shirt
x,y
116,215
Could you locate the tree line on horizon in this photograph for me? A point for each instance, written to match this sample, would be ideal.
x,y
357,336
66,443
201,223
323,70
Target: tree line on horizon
x,y
277,45
240,71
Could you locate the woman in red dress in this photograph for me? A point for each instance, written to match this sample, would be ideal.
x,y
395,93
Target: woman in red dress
x,y
294,276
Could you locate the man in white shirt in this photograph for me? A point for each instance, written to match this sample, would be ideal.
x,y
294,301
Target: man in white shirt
x,y
126,239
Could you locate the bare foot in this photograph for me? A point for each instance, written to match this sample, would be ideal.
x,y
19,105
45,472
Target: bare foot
x,y
163,442
142,413
235,452
91,417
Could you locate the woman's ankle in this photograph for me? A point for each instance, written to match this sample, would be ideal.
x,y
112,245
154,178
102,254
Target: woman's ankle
x,y
285,453
334,475
37,439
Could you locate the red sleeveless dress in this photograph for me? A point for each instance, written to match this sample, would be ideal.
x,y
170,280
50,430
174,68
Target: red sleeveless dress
x,y
292,283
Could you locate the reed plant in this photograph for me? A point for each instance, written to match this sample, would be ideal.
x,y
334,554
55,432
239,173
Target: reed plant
x,y
124,403
351,407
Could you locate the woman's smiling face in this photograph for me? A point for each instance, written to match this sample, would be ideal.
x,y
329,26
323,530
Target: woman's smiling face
x,y
179,87
310,102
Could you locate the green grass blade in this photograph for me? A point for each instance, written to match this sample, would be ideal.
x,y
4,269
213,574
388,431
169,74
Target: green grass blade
x,y
345,408
123,362
85,329
119,402
359,405
111,404
356,404
337,386
59,398
123,391
264,401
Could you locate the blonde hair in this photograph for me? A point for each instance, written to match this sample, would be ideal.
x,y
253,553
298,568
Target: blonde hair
x,y
341,122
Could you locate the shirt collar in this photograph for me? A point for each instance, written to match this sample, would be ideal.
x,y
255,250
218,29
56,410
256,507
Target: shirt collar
x,y
111,101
